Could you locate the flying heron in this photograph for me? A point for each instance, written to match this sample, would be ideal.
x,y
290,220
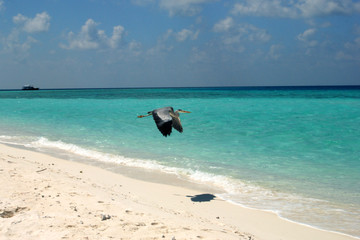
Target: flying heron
x,y
166,119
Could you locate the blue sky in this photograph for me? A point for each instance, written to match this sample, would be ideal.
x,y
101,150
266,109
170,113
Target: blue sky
x,y
174,43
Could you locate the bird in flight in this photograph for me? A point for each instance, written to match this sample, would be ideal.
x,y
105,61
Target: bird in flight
x,y
166,119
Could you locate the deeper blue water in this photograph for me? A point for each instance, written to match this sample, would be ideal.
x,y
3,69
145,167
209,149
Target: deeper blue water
x,y
294,151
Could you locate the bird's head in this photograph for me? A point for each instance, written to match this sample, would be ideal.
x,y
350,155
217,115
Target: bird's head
x,y
182,111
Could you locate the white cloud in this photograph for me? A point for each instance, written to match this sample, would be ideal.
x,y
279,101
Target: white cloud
x,y
18,42
351,51
269,8
236,36
341,55
159,49
183,7
312,8
2,6
186,34
135,48
90,37
40,23
296,9
234,33
13,44
164,43
176,7
305,37
256,34
117,36
180,36
224,25
274,51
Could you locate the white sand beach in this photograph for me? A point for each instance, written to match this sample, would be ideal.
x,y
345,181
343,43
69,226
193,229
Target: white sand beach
x,y
43,197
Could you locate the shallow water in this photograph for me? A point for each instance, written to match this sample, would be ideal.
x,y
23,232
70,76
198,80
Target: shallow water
x,y
294,151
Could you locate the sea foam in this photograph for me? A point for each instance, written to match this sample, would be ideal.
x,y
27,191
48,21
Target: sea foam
x,y
286,205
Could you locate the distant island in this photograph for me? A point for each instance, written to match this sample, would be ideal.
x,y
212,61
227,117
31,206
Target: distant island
x,y
29,87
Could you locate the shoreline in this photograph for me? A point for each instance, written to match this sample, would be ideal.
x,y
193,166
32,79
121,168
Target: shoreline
x,y
137,209
158,175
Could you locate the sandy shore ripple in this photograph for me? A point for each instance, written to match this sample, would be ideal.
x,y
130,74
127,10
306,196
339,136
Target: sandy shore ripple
x,y
42,197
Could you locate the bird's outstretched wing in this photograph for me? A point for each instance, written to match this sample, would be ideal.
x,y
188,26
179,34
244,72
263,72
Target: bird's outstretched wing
x,y
163,120
176,123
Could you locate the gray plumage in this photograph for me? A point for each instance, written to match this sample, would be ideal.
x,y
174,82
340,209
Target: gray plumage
x,y
166,119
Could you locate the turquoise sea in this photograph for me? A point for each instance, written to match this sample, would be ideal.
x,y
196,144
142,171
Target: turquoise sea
x,y
294,151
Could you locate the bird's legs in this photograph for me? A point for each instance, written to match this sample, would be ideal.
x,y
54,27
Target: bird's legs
x,y
141,116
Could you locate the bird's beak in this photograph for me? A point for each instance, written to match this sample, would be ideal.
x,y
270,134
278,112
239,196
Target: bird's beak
x,y
183,111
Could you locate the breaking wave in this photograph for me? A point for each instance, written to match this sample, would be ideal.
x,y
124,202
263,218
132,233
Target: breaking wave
x,y
287,205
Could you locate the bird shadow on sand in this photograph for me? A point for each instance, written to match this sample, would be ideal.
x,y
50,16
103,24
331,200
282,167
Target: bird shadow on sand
x,y
206,197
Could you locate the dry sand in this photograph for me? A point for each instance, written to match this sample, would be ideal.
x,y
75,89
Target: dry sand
x,y
43,197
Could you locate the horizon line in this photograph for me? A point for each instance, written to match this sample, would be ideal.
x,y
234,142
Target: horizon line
x,y
244,87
